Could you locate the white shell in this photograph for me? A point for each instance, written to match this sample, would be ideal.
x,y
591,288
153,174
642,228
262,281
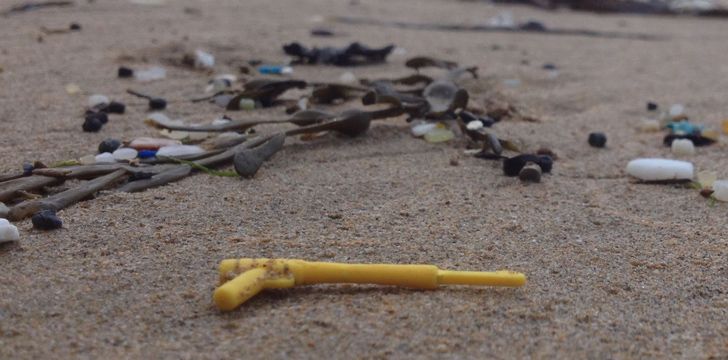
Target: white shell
x,y
8,232
125,154
105,158
683,147
660,169
720,190
97,100
179,150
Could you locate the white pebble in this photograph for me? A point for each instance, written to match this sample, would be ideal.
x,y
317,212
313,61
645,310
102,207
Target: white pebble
x,y
87,160
422,129
97,100
150,74
8,232
682,147
720,190
125,154
179,150
347,78
474,125
204,60
4,210
650,125
677,110
106,157
660,169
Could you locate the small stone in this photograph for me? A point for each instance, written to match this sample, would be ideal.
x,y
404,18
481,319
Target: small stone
x,y
438,135
125,154
347,78
114,107
124,72
651,106
655,169
421,128
4,210
87,160
548,66
92,124
720,190
72,89
179,150
157,104
28,169
74,27
683,147
247,104
8,232
46,220
146,143
650,125
530,173
97,100
109,145
677,110
204,60
105,158
597,139
474,125
151,74
546,163
706,179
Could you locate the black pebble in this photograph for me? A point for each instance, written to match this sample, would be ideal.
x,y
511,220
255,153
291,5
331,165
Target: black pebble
x,y
549,66
157,103
75,26
28,169
109,145
322,32
546,163
114,107
598,140
512,166
92,123
125,72
46,220
651,106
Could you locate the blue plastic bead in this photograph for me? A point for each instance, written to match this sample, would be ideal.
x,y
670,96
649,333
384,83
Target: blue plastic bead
x,y
684,127
145,154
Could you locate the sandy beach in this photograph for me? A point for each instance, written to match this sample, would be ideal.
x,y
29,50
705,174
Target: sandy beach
x,y
616,269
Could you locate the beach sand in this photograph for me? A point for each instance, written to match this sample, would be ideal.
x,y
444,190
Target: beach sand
x,y
615,269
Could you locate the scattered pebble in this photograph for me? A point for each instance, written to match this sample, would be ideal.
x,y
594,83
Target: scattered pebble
x,y
549,66
530,173
109,145
74,27
150,74
439,134
179,150
204,60
114,107
145,154
87,159
157,104
124,72
247,104
655,169
421,128
98,101
651,106
72,89
4,210
105,158
8,232
92,123
597,139
683,147
125,154
650,125
146,143
720,190
677,110
474,125
46,220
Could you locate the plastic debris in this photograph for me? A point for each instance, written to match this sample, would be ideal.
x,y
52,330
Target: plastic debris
x,y
421,128
98,101
474,125
105,158
707,178
530,173
150,74
204,60
513,166
683,147
179,150
354,54
684,127
597,139
655,169
439,134
275,69
720,190
8,232
241,279
125,154
145,154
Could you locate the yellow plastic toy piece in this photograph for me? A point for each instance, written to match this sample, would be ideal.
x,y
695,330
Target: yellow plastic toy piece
x,y
241,279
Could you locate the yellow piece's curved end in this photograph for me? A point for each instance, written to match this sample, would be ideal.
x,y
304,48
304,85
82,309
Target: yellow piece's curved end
x,y
225,298
233,293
